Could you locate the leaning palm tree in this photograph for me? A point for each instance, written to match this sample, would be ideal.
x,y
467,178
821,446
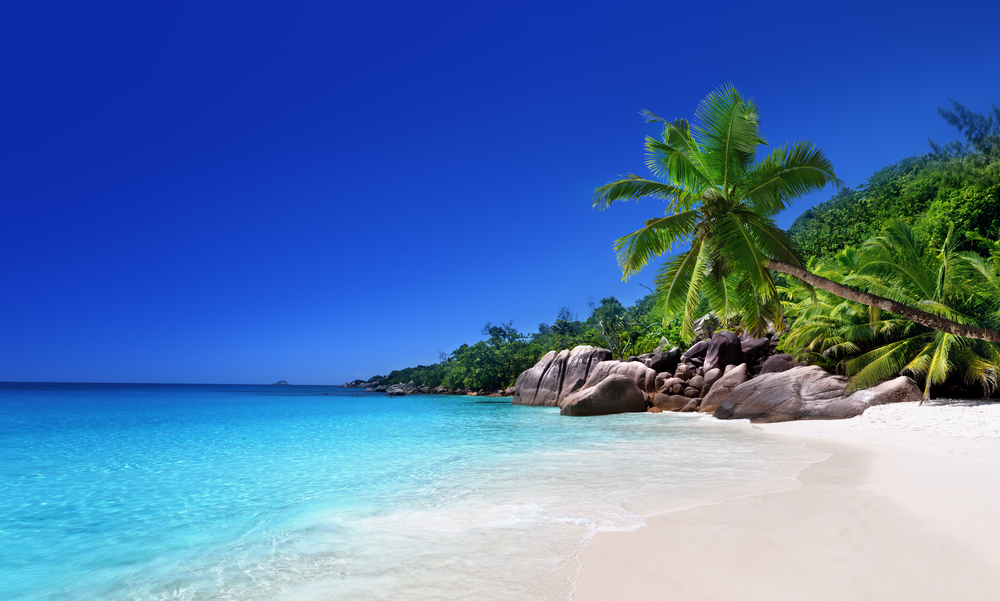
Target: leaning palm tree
x,y
901,264
722,199
869,345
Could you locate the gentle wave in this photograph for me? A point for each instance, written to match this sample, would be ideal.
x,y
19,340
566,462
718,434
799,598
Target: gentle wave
x,y
240,493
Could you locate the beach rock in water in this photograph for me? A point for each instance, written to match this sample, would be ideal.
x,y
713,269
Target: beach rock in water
x,y
616,393
723,387
808,392
643,377
723,349
557,375
779,363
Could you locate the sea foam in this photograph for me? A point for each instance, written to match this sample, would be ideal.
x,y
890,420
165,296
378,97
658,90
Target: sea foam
x,y
171,492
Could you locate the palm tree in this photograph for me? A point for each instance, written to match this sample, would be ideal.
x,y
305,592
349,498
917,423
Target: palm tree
x,y
900,264
722,199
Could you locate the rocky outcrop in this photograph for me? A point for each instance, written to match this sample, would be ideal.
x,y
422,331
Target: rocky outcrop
x,y
558,375
372,382
616,393
807,392
643,377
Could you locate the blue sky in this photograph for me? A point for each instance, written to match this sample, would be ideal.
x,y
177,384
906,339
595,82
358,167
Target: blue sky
x,y
242,193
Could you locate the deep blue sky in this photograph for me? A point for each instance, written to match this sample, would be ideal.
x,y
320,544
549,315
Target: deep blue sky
x,y
246,192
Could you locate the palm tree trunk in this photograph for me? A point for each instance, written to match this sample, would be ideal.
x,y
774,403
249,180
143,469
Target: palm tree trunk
x,y
915,315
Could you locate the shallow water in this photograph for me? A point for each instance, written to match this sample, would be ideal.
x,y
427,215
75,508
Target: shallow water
x,y
244,492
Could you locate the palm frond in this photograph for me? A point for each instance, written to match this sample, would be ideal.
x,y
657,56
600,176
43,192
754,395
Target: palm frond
x,y
727,132
786,173
674,279
634,187
883,362
657,237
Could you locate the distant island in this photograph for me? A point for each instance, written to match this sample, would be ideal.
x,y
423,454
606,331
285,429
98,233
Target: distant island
x,y
280,383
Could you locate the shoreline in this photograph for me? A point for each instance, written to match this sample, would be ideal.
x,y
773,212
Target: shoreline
x,y
897,511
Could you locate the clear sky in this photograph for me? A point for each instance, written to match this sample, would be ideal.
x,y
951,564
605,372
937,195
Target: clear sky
x,y
241,193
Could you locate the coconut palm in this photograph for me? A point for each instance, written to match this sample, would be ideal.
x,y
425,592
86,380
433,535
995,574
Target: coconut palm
x,y
722,199
870,346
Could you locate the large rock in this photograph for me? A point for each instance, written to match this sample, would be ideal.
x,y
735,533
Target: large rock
x,y
723,387
723,349
897,390
558,375
643,377
779,363
808,392
616,393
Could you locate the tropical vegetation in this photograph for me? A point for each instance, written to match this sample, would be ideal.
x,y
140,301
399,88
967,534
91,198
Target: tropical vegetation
x,y
901,263
923,233
722,199
495,363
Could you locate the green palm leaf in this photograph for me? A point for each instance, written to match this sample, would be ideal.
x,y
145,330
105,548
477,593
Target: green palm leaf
x,y
657,237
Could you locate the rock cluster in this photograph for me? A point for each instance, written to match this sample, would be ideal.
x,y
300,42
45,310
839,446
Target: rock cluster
x,y
378,384
729,376
558,375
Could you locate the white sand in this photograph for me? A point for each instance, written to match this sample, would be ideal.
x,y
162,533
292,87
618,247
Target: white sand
x,y
907,507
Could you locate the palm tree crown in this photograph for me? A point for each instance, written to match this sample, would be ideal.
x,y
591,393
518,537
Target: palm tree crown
x,y
721,198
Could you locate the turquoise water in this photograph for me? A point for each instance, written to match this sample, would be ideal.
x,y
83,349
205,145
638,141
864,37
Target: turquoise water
x,y
244,492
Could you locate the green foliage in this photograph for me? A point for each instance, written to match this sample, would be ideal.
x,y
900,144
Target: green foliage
x,y
495,363
955,184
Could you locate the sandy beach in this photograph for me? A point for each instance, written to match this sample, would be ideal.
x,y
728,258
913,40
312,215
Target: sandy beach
x,y
904,508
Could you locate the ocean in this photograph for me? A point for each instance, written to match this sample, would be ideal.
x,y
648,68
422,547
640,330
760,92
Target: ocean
x,y
191,492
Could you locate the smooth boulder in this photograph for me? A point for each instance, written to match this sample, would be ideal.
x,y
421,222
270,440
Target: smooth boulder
x,y
643,377
616,393
808,392
557,375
